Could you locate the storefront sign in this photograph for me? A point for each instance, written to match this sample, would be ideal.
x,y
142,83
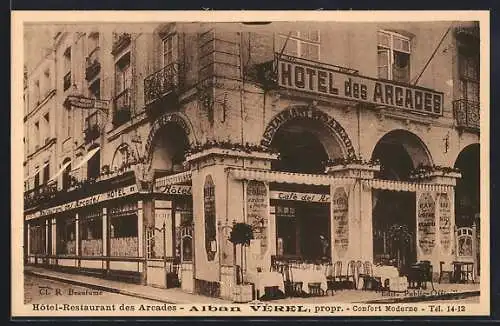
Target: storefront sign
x,y
321,79
257,212
426,218
340,214
209,210
310,113
86,103
174,190
444,222
92,200
300,196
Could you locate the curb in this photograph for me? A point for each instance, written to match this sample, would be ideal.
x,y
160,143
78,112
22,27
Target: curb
x,y
99,287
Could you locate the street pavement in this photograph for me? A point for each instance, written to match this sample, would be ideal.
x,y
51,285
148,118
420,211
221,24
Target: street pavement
x,y
42,290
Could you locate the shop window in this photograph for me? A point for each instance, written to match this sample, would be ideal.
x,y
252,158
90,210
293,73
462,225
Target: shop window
x,y
393,55
124,226
37,237
302,44
66,236
91,233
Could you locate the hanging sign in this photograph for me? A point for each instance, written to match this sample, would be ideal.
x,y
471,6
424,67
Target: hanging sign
x,y
444,222
92,200
257,212
321,79
174,190
426,218
340,216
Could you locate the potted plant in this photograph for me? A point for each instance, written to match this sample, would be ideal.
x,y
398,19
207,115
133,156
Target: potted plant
x,y
400,240
241,234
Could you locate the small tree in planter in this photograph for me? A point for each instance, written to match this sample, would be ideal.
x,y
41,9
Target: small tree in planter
x,y
400,241
241,234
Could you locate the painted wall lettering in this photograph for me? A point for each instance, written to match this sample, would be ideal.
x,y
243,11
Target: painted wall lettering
x,y
210,223
426,218
257,212
340,218
444,222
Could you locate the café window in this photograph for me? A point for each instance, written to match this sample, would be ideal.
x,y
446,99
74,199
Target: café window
x,y
37,237
393,56
302,44
169,49
91,232
286,229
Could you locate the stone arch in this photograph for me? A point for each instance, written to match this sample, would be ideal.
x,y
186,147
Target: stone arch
x,y
309,113
175,118
402,146
467,190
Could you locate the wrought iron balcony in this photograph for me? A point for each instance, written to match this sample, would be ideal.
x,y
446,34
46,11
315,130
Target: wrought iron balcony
x,y
466,114
67,80
122,108
39,194
93,66
162,83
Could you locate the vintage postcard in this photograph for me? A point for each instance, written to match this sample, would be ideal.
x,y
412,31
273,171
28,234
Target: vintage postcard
x,y
246,163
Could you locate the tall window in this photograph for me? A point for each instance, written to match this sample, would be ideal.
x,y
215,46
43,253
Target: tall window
x,y
302,44
66,175
46,121
37,178
93,42
46,82
94,166
95,89
36,92
46,173
123,74
468,61
393,53
67,68
37,135
169,49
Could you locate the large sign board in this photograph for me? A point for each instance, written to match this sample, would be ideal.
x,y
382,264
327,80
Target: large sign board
x,y
300,196
322,79
426,218
91,200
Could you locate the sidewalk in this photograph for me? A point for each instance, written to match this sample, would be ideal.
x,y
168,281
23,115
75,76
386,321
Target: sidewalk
x,y
176,295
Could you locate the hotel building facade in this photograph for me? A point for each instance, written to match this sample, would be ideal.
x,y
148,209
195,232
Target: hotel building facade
x,y
145,144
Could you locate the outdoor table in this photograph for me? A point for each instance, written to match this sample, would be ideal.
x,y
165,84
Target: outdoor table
x,y
307,276
265,279
384,273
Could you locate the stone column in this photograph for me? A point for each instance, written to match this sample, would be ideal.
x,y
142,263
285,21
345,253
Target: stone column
x,y
105,239
47,240
140,240
77,238
359,235
28,240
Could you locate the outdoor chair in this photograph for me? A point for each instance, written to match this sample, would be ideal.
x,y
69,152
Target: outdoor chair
x,y
369,282
315,289
339,278
350,280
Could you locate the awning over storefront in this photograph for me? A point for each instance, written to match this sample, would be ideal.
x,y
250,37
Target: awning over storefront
x,y
86,158
406,186
286,177
173,179
36,171
65,165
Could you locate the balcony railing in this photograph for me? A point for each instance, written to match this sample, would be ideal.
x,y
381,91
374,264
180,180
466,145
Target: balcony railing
x,y
93,66
67,80
40,194
466,114
122,108
161,83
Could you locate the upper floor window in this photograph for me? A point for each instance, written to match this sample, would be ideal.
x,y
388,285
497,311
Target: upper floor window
x,y
169,50
46,121
66,174
94,166
46,172
468,63
95,89
123,74
67,68
37,135
93,42
302,44
46,82
37,178
393,52
36,92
